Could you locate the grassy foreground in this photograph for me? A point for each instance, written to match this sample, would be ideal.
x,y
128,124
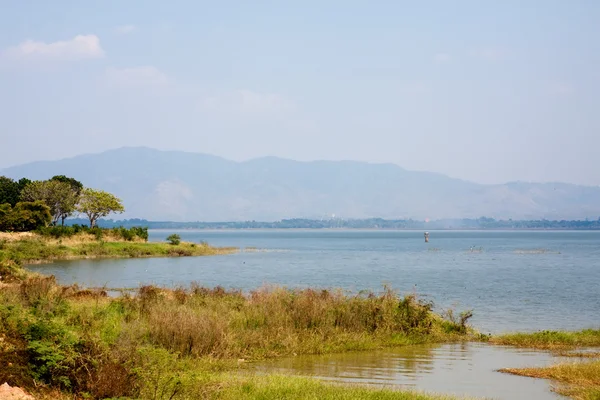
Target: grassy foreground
x,y
579,380
196,343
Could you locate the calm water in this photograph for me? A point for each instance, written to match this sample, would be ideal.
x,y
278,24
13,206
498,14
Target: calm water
x,y
464,369
512,280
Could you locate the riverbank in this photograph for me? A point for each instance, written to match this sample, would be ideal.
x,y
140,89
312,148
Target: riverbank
x,y
20,249
197,340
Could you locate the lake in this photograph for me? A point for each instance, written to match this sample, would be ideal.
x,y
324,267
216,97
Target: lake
x,y
461,369
512,280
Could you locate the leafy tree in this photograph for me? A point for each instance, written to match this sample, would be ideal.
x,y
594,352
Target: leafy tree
x,y
9,191
71,202
5,214
28,216
21,183
98,203
74,183
59,196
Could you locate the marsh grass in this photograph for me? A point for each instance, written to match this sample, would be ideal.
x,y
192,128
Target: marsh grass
x,y
186,343
550,340
579,380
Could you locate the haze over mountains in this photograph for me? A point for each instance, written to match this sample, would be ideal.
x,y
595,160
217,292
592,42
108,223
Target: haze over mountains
x,y
181,186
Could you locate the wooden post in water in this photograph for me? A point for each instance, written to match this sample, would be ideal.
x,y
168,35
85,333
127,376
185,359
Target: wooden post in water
x,y
426,237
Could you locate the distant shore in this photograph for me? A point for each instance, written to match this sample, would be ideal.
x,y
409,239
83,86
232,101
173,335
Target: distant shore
x,y
362,224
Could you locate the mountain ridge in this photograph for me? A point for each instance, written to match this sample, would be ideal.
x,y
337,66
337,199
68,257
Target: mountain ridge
x,y
184,186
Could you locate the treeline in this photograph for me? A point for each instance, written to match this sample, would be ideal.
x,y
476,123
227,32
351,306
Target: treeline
x,y
370,223
27,205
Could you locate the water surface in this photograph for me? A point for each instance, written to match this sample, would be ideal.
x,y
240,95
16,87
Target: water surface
x,y
464,369
513,280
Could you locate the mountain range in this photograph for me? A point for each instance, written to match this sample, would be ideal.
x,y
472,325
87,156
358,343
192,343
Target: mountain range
x,y
183,186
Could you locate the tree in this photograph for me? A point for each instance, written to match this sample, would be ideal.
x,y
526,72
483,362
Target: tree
x,y
59,196
74,183
98,203
5,215
9,191
28,216
76,188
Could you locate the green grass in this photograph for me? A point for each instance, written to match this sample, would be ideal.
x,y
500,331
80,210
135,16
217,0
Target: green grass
x,y
186,342
278,387
14,254
550,340
579,380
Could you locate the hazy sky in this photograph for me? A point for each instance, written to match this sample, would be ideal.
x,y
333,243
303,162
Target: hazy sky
x,y
489,91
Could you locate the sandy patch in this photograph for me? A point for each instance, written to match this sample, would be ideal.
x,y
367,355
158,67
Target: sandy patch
x,y
8,392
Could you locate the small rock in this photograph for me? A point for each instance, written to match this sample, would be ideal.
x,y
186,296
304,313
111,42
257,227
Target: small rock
x,y
13,393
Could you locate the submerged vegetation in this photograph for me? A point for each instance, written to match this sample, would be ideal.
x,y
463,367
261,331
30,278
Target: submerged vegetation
x,y
185,343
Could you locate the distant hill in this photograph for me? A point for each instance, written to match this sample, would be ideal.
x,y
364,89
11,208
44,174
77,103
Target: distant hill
x,y
181,186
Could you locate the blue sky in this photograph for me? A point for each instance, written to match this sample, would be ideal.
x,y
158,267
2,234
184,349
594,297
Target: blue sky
x,y
480,90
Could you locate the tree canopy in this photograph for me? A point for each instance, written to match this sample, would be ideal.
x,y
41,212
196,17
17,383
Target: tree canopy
x,y
28,205
9,191
25,216
58,195
98,203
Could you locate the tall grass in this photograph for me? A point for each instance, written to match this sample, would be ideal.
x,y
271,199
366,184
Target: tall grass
x,y
180,343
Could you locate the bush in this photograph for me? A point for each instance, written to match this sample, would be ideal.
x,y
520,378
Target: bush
x,y
174,239
25,216
59,232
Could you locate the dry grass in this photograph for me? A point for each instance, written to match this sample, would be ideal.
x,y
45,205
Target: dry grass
x,y
274,321
14,236
579,380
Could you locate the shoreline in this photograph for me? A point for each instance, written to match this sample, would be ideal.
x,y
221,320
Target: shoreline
x,y
203,325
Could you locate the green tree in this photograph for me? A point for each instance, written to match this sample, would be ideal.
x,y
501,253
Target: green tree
x,y
9,191
98,203
5,215
71,201
75,184
59,196
28,216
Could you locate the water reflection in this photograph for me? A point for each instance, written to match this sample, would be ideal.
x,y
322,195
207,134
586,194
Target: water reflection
x,y
463,369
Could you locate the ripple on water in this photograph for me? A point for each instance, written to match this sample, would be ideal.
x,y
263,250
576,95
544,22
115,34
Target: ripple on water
x,y
460,369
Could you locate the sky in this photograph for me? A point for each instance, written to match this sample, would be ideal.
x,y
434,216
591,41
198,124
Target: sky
x,y
487,91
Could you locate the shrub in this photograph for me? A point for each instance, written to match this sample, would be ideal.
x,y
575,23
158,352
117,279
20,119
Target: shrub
x,y
174,239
